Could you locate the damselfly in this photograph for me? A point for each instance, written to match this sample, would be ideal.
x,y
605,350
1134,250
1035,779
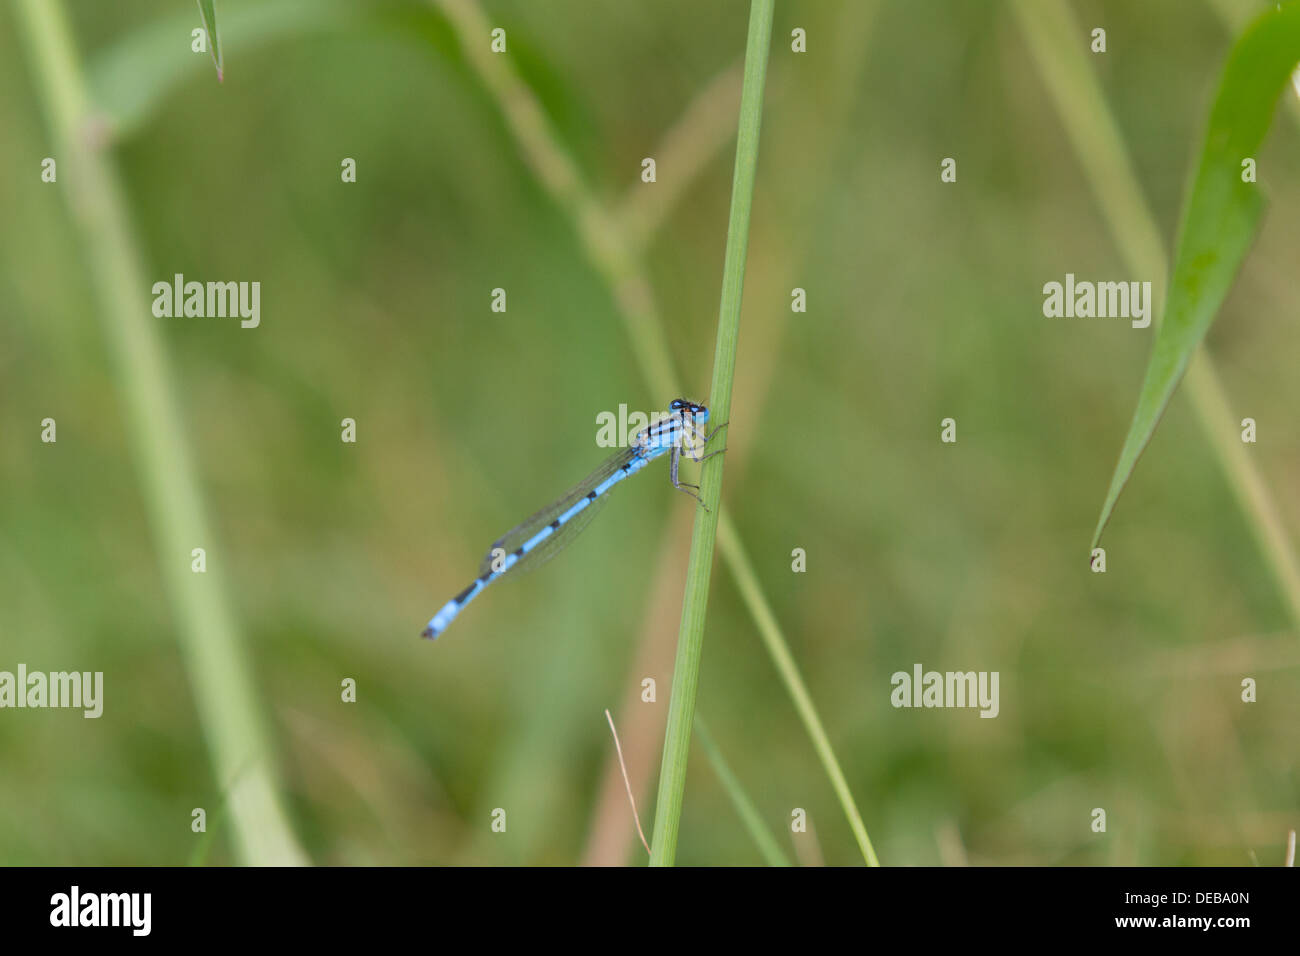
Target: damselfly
x,y
541,537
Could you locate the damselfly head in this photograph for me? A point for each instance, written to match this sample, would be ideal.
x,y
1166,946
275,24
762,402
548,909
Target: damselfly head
x,y
695,411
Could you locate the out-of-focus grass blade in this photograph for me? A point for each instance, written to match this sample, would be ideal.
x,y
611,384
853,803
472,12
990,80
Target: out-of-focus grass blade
x,y
131,77
1219,221
208,13
745,808
203,845
211,645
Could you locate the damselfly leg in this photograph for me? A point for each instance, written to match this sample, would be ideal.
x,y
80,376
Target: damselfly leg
x,y
693,454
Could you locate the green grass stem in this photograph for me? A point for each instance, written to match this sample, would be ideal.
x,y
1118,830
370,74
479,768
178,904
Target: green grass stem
x,y
210,643
617,258
690,640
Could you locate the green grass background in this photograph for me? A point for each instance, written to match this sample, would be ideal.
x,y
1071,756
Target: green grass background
x,y
1118,691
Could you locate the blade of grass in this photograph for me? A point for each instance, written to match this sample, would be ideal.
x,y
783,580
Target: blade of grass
x,y
769,630
212,651
1219,223
610,838
692,142
130,78
745,809
208,13
556,170
1235,16
203,846
623,270
690,640
1052,35
627,784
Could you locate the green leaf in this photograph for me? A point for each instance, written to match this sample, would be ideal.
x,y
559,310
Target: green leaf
x,y
208,13
1219,222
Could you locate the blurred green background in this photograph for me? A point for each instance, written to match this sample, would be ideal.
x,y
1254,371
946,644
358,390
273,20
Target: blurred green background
x,y
1118,691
